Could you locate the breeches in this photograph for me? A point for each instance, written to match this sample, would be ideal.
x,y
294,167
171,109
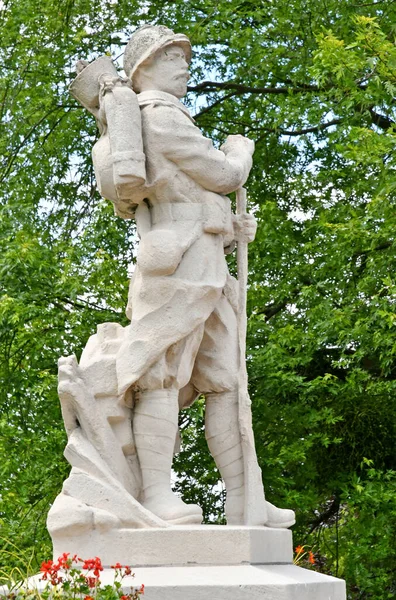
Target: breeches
x,y
205,361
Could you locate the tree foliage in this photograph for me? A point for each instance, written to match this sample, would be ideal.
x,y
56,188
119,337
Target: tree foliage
x,y
313,83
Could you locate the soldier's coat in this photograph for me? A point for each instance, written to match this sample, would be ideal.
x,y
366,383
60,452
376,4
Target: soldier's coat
x,y
181,271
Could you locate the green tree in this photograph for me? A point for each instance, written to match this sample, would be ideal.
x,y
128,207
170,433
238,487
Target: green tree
x,y
313,83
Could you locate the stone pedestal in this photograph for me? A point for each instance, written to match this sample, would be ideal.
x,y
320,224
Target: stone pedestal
x,y
242,582
182,546
206,562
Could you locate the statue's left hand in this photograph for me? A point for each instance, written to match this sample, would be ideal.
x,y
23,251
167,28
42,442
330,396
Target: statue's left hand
x,y
245,226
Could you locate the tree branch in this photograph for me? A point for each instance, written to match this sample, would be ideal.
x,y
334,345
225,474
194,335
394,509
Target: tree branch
x,y
327,514
240,88
312,129
23,142
381,121
209,108
85,303
274,308
382,246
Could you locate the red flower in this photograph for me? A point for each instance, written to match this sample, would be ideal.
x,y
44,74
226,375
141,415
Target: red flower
x,y
311,558
46,568
142,589
88,598
88,564
92,582
124,598
128,570
64,562
93,564
116,566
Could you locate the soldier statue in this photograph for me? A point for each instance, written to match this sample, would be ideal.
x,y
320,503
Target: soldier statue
x,y
156,166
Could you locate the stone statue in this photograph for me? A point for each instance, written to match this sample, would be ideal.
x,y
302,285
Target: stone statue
x,y
121,403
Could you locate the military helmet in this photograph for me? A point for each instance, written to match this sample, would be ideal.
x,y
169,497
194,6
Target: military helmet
x,y
147,40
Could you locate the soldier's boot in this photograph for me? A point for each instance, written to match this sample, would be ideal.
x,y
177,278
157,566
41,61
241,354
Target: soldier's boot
x,y
224,441
155,425
223,438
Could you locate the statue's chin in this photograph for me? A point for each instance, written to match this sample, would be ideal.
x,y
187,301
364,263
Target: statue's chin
x,y
178,90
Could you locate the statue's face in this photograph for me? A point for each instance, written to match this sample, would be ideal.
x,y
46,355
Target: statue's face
x,y
167,71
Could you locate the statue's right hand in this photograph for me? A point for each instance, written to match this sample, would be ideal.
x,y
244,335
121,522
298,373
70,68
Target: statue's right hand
x,y
237,142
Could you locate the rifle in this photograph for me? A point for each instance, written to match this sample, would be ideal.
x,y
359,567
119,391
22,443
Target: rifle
x,y
255,511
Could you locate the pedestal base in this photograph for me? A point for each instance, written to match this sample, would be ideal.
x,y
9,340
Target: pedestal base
x,y
205,562
243,582
182,545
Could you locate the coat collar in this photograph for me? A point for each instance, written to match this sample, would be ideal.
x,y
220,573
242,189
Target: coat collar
x,y
158,97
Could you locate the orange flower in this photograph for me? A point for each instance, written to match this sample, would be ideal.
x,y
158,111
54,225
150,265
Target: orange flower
x,y
299,549
311,558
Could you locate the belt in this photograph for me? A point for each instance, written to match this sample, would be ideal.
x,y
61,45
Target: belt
x,y
176,211
214,217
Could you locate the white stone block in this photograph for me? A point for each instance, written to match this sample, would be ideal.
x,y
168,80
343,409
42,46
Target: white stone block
x,y
243,582
236,582
182,545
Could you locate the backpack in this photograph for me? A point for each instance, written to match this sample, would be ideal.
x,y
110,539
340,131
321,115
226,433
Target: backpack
x,y
118,156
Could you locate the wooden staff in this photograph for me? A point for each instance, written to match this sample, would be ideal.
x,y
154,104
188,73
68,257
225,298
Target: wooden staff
x,y
255,512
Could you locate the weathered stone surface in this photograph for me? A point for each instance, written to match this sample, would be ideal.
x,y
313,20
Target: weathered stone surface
x,y
244,582
186,337
236,582
182,545
120,404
